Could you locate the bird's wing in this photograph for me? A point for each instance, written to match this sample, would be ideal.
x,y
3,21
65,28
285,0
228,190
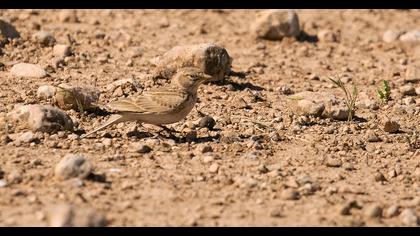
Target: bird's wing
x,y
156,101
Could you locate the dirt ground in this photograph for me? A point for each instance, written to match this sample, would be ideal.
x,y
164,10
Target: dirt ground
x,y
261,165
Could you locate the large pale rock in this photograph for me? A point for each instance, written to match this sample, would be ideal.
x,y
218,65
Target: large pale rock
x,y
276,24
42,118
320,104
212,59
28,70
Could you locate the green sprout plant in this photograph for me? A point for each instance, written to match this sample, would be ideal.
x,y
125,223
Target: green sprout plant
x,y
384,92
350,96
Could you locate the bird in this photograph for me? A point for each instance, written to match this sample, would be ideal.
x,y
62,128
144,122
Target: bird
x,y
159,106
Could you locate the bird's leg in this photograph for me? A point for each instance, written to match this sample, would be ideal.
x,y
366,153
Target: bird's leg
x,y
170,130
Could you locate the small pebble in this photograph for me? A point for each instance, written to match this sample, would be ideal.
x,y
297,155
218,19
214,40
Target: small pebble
x,y
327,36
289,194
331,162
373,211
379,177
207,122
26,137
408,90
412,74
345,209
142,149
208,159
348,166
303,179
276,213
61,50
14,177
45,92
408,217
391,126
44,38
214,168
372,137
3,183
107,142
390,36
73,165
410,36
391,211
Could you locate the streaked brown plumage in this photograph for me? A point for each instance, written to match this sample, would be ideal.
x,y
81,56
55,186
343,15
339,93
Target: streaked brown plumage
x,y
165,105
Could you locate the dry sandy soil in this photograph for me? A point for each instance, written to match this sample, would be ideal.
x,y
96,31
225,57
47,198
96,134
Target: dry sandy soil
x,y
267,166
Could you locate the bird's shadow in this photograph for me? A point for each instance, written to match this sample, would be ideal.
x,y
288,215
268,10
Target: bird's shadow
x,y
206,139
240,86
305,37
182,138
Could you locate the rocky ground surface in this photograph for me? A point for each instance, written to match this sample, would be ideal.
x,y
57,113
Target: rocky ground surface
x,y
270,148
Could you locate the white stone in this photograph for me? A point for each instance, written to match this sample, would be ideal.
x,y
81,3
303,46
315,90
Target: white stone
x,y
45,92
28,70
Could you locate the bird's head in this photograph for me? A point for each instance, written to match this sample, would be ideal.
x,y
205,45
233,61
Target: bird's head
x,y
190,78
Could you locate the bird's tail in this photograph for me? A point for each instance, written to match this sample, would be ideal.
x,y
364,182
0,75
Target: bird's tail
x,y
114,120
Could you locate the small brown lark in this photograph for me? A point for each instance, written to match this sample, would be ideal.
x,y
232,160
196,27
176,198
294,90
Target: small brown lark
x,y
160,106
